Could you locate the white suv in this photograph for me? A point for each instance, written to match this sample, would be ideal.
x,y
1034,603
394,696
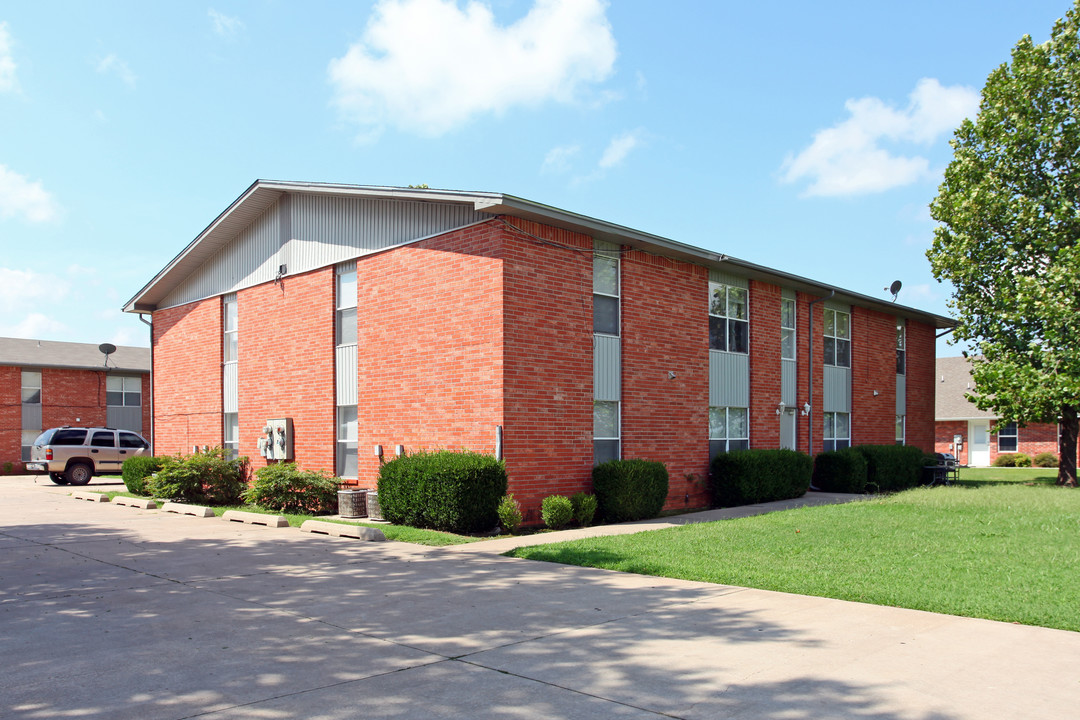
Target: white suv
x,y
72,455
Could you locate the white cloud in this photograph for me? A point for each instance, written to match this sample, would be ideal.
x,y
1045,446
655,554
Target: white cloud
x,y
34,325
24,291
112,64
8,81
429,66
20,196
619,147
558,158
848,158
224,25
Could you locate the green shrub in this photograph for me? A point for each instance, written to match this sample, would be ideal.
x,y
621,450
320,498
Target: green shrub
x,y
630,489
841,471
1005,460
509,512
746,477
1022,460
283,487
584,506
556,511
208,478
137,469
8,467
890,468
1046,460
452,491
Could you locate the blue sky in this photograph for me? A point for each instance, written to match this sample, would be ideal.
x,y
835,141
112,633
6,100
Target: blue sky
x,y
808,137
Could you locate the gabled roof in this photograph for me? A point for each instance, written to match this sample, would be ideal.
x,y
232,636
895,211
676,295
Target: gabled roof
x,y
263,193
20,352
954,379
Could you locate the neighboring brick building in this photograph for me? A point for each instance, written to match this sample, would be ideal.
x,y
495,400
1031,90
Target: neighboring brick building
x,y
981,436
47,384
366,318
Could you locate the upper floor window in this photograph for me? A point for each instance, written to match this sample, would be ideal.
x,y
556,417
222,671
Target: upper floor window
x,y
345,304
837,338
232,324
1007,437
606,292
729,318
123,391
31,387
787,329
901,348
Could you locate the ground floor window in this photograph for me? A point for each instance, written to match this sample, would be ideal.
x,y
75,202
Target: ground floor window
x,y
231,435
729,429
605,431
1007,437
837,430
900,430
345,462
28,438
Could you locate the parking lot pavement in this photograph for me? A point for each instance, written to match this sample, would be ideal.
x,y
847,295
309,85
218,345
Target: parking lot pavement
x,y
116,612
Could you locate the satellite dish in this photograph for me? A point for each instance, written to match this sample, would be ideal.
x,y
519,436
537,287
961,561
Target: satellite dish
x,y
895,289
107,349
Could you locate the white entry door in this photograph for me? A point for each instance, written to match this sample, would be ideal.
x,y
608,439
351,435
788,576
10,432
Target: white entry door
x,y
979,443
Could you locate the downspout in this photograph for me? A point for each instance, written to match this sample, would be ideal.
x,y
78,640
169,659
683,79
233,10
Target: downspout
x,y
151,326
810,374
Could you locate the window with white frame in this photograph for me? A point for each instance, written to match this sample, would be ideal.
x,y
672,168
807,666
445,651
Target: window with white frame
x,y
345,307
123,391
605,431
901,347
787,329
1008,437
729,429
346,459
231,434
729,318
606,292
837,434
837,338
901,421
28,438
232,324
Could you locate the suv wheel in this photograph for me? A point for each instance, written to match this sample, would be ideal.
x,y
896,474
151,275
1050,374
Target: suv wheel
x,y
58,478
79,474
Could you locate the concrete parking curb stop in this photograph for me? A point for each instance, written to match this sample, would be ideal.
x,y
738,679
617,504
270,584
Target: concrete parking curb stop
x,y
141,503
321,527
182,509
254,518
90,496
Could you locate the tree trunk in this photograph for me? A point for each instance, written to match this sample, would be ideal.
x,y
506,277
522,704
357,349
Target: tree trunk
x,y
1067,446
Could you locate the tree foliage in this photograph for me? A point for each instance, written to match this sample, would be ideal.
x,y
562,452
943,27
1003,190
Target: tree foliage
x,y
1007,238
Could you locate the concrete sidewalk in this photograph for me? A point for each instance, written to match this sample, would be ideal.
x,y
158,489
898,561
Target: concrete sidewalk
x,y
115,612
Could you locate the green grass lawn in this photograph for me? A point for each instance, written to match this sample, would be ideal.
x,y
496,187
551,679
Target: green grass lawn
x,y
1002,545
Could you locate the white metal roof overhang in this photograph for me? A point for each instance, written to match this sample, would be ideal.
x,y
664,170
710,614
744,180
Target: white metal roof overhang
x,y
263,193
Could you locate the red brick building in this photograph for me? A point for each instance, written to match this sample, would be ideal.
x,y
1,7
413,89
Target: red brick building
x,y
365,320
47,384
976,437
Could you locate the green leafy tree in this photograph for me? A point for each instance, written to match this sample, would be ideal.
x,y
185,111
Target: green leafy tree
x,y
1007,239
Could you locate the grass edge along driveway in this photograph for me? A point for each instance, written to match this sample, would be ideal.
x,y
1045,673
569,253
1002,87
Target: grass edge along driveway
x,y
1006,551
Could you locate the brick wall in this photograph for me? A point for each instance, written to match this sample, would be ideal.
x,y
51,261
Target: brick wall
x,y
873,370
285,339
10,416
72,397
920,385
943,437
1030,440
764,365
187,376
430,348
665,328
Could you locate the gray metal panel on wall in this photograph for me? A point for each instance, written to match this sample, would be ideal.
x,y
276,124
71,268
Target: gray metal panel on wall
x,y
31,416
345,372
901,395
230,391
842,307
732,280
837,389
787,430
124,418
607,368
329,229
250,259
787,294
729,379
788,370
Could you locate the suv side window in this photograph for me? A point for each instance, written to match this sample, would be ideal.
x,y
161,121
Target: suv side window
x,y
103,438
69,436
131,440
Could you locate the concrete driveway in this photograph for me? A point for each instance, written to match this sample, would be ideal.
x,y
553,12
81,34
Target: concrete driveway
x,y
114,612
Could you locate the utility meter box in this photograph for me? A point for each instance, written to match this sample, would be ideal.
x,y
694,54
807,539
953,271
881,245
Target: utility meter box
x,y
277,440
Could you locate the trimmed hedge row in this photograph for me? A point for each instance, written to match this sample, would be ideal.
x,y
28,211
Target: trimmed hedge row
x,y
451,491
870,468
745,477
629,489
842,471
